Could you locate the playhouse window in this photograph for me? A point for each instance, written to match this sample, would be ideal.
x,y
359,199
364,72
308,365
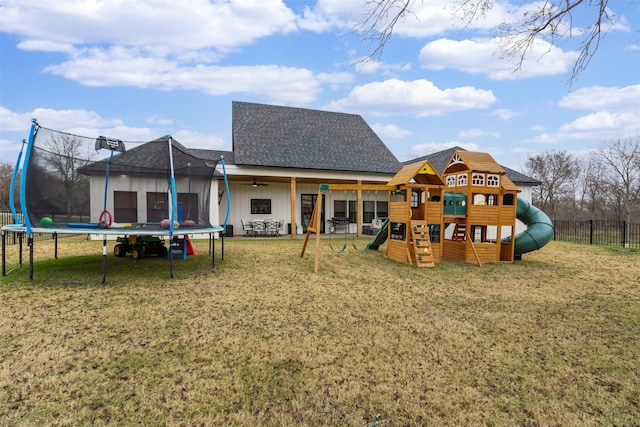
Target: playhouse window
x,y
397,231
508,200
451,181
479,199
415,199
462,179
434,233
493,180
477,179
491,200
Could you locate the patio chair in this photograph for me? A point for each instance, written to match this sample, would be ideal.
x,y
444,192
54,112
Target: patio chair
x,y
248,228
259,227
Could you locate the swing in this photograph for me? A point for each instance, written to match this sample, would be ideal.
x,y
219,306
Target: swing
x,y
332,228
373,235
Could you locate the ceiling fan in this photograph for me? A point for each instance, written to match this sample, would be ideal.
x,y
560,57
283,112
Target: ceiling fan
x,y
257,184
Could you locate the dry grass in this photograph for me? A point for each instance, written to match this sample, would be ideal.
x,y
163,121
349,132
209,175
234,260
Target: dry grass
x,y
262,340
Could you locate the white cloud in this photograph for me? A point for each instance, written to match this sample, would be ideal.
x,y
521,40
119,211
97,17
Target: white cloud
x,y
486,57
616,113
603,98
91,124
173,26
600,121
390,132
128,67
45,46
418,98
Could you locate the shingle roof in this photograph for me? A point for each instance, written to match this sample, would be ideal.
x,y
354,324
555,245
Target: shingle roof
x,y
440,159
286,137
153,158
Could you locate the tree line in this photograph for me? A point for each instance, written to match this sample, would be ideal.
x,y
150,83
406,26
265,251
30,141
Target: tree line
x,y
604,185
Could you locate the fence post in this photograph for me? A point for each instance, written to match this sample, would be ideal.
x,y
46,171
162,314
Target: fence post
x,y
624,234
591,232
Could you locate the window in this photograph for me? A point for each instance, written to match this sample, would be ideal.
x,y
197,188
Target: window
x,y
157,207
434,233
477,179
493,180
451,181
343,210
261,206
368,211
508,200
397,231
491,200
125,206
415,199
462,180
382,209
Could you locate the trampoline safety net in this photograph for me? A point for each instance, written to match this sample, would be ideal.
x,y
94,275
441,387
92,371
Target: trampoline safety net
x,y
71,179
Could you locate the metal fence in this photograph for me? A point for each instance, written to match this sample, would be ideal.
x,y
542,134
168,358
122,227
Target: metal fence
x,y
596,232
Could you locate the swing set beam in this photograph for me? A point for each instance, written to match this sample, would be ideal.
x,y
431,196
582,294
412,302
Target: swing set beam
x,y
314,223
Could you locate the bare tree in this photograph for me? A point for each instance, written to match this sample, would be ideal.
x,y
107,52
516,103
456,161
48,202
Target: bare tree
x,y
558,172
65,154
6,173
592,196
551,20
621,157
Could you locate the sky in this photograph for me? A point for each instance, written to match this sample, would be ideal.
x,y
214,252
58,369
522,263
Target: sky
x,y
141,69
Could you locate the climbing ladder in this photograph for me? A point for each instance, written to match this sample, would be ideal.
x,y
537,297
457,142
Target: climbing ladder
x,y
459,232
422,250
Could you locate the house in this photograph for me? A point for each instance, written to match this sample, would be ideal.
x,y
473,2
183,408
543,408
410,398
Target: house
x,y
281,155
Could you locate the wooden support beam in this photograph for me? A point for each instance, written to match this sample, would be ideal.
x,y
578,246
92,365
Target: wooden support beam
x,y
370,187
293,207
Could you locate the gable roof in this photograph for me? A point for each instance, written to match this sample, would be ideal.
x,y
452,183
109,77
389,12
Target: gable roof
x,y
286,137
471,160
440,159
421,172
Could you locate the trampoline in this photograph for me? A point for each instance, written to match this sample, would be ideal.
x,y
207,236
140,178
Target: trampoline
x,y
100,186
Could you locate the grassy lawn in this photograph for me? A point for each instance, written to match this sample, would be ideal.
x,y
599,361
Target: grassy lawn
x,y
552,340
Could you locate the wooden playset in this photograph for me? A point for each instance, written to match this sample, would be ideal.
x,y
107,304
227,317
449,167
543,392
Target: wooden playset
x,y
468,214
